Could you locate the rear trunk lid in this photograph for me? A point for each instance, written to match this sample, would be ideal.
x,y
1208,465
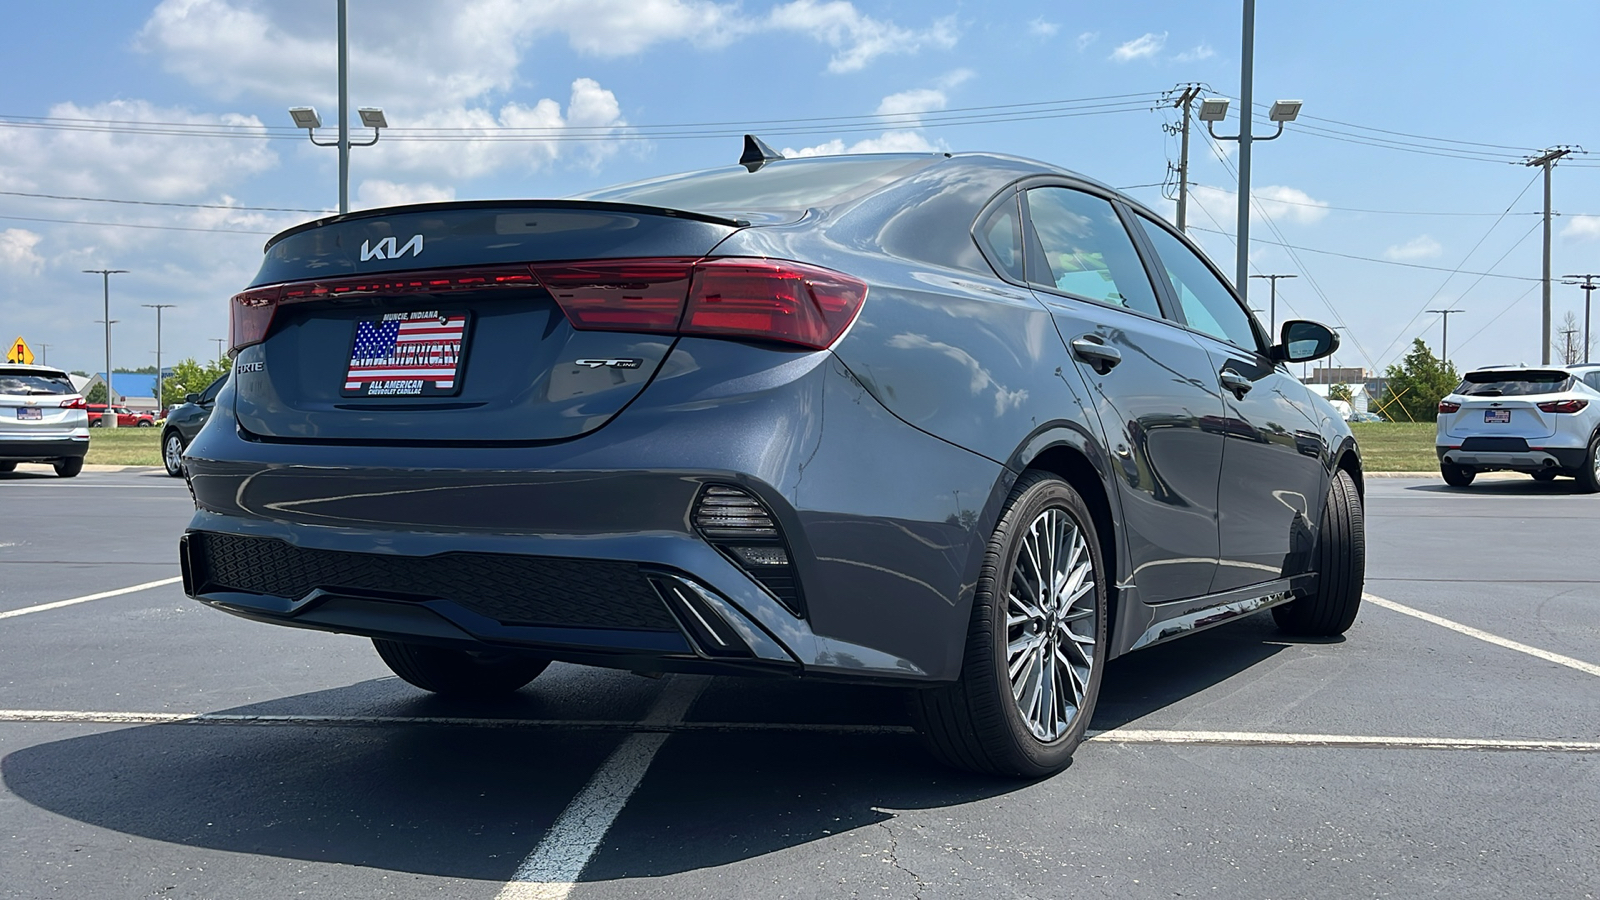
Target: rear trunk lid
x,y
437,324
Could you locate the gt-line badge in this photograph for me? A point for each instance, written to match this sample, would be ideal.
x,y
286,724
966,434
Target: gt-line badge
x,y
610,363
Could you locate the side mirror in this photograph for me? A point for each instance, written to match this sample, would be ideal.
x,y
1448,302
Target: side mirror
x,y
191,397
1303,341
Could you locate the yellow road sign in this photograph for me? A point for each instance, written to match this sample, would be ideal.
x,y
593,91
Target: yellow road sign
x,y
19,352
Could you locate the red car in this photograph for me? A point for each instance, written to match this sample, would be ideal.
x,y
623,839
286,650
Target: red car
x,y
126,418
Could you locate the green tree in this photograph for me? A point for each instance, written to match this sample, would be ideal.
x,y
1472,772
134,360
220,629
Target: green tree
x,y
189,377
97,394
1416,385
1341,392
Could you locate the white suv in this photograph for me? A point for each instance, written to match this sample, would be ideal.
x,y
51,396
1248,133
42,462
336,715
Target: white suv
x,y
42,419
1544,421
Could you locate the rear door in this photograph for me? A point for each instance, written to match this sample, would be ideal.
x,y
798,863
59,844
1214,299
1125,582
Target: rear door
x,y
1273,459
1147,379
443,324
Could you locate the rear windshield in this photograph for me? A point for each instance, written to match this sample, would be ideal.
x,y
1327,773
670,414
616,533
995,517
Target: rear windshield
x,y
1514,384
784,184
34,383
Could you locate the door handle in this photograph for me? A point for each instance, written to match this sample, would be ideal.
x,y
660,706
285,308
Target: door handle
x,y
1091,350
1235,383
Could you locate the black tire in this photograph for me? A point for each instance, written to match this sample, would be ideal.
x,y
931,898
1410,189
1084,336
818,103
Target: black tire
x,y
171,461
69,468
1456,476
1341,558
1545,475
146,423
96,421
1589,476
460,673
975,724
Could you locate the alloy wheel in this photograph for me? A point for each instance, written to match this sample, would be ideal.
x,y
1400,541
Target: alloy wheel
x,y
1052,614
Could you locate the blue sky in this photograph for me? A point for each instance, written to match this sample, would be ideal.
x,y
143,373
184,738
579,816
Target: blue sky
x,y
1421,78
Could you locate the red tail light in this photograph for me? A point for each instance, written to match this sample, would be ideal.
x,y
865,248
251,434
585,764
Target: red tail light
x,y
780,301
1563,406
74,403
250,313
1445,406
739,298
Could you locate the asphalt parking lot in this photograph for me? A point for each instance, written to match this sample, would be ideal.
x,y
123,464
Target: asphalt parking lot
x,y
1448,746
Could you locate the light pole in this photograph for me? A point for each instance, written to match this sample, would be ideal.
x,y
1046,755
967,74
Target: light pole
x,y
372,117
220,342
1588,285
109,418
1444,343
1213,110
44,354
1272,331
161,381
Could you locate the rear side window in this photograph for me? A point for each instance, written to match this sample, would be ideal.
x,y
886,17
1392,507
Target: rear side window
x,y
1001,236
1082,249
1514,384
25,383
1592,380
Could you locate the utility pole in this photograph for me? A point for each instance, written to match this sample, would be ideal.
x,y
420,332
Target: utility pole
x,y
1444,345
1272,330
44,354
1247,111
1547,160
1567,353
161,382
219,347
1588,285
1185,102
109,419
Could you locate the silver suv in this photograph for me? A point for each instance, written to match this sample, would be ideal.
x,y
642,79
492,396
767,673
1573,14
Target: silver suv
x,y
42,419
1544,421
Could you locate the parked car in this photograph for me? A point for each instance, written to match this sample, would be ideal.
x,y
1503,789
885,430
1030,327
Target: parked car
x,y
42,419
126,418
1364,417
184,422
1544,421
970,424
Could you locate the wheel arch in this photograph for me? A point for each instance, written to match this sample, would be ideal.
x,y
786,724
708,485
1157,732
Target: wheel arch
x,y
1348,459
1077,459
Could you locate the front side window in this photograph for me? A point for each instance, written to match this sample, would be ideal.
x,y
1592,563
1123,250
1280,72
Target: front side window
x,y
213,389
1082,249
1208,305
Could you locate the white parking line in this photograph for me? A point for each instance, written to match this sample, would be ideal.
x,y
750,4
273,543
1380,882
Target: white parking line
x,y
100,596
1498,641
551,869
664,722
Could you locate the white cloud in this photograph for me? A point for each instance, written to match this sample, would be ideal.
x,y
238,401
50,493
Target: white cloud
x,y
1143,47
1203,51
1087,38
1581,228
888,142
17,256
133,165
909,103
1419,247
1040,28
589,107
375,192
857,39
1283,204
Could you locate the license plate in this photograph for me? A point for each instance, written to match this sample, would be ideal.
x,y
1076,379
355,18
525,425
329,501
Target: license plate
x,y
407,354
30,412
1500,416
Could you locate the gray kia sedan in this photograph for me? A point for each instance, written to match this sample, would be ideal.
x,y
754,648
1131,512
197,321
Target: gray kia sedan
x,y
967,423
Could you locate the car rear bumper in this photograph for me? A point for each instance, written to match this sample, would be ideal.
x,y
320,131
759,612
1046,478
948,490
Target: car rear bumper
x,y
43,448
1533,459
587,550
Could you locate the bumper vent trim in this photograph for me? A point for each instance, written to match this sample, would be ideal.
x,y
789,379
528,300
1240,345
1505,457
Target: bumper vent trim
x,y
737,523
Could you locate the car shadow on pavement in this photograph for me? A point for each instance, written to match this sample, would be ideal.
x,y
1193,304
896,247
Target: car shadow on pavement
x,y
1506,487
472,802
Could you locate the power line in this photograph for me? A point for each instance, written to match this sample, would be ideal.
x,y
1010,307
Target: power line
x,y
1386,262
133,225
1389,212
162,203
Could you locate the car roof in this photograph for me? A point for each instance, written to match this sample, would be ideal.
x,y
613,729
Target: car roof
x,y
26,369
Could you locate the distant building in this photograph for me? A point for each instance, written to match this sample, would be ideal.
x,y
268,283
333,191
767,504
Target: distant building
x,y
128,389
1343,375
1359,398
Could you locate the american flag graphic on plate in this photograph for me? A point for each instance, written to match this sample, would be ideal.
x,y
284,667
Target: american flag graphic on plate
x,y
408,354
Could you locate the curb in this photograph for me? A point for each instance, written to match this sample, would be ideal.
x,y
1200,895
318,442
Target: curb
x,y
97,467
1434,475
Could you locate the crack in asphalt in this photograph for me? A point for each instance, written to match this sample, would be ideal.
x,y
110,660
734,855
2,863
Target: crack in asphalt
x,y
894,857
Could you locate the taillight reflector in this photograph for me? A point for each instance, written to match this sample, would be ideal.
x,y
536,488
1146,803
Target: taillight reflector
x,y
74,403
1563,406
1445,406
620,295
772,300
250,312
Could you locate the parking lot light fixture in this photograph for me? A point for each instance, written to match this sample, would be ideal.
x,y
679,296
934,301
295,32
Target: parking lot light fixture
x,y
1213,109
371,116
109,418
1284,111
305,117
